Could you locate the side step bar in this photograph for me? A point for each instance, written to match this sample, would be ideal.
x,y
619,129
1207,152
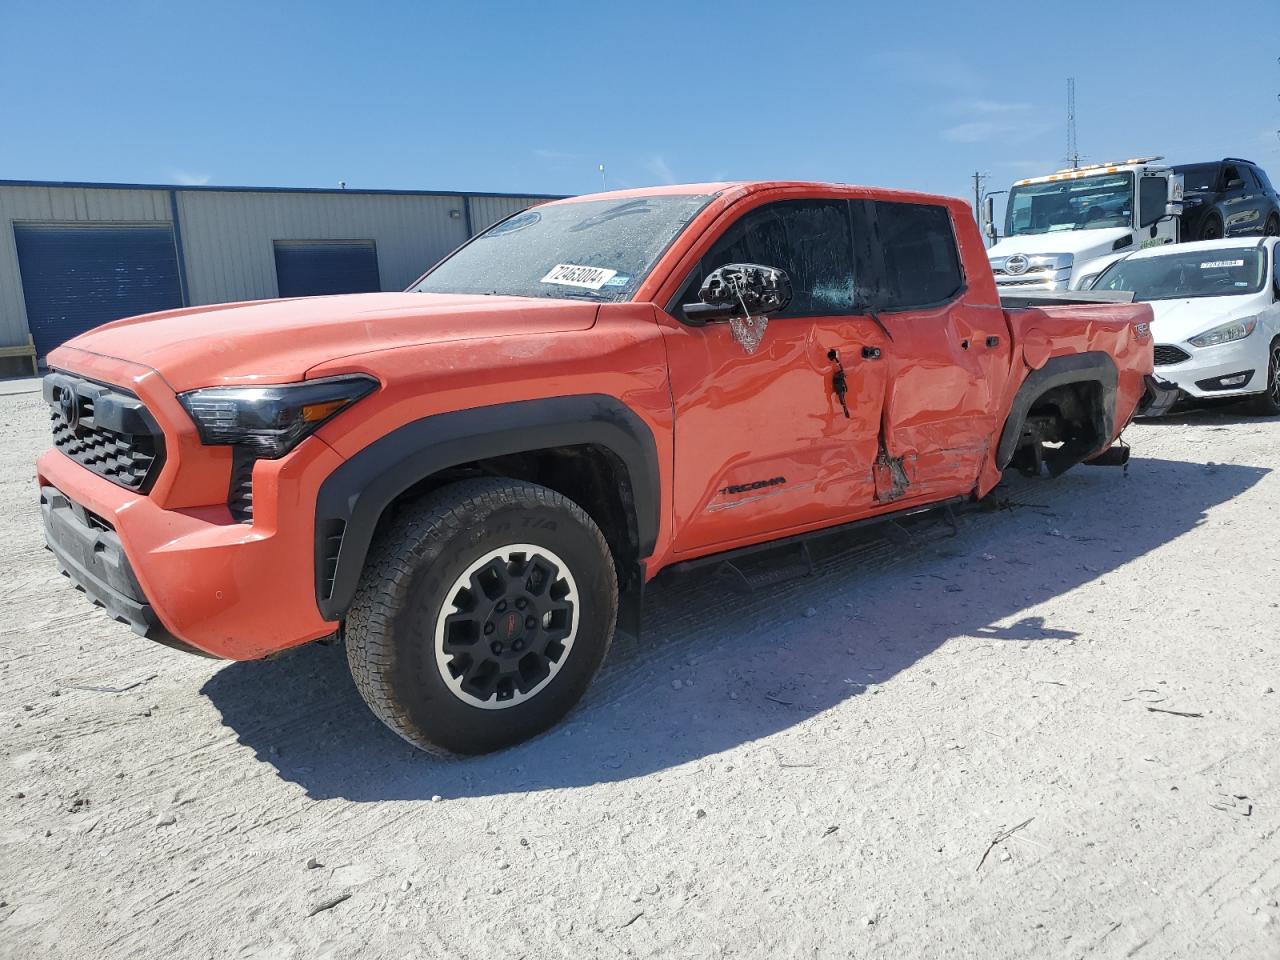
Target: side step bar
x,y
804,565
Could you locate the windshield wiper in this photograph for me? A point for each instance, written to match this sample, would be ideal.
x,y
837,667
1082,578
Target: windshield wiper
x,y
591,295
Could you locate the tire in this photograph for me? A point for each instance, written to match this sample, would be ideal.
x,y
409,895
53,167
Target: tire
x,y
1272,227
1268,404
483,614
1211,228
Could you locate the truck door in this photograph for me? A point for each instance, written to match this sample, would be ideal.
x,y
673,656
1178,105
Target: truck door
x,y
1154,228
762,443
949,358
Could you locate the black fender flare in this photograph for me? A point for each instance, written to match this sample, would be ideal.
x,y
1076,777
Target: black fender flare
x,y
1090,367
353,497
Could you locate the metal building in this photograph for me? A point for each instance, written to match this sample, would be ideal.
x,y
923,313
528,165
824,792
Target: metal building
x,y
74,255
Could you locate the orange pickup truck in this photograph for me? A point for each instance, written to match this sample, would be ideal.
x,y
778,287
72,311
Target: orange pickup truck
x,y
472,480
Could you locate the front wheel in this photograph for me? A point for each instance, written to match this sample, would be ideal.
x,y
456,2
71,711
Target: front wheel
x,y
482,616
1272,227
1212,228
1268,404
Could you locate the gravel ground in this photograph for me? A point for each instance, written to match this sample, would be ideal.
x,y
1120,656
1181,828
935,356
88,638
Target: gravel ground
x,y
1053,734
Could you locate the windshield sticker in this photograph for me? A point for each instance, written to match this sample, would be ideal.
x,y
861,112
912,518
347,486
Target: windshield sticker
x,y
573,275
1214,264
619,280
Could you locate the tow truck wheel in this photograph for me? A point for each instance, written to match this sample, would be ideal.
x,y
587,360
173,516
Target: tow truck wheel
x,y
1211,229
1272,228
1268,404
485,611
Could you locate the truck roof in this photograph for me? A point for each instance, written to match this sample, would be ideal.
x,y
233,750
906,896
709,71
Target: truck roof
x,y
1072,173
746,187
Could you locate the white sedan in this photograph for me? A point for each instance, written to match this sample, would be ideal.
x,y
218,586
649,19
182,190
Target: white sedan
x,y
1217,315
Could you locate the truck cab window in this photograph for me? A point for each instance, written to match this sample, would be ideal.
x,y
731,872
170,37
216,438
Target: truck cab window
x,y
1153,194
809,239
921,259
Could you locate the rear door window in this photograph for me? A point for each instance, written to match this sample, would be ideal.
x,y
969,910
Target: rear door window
x,y
921,260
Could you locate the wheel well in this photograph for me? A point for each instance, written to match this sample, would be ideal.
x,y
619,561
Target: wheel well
x,y
1064,425
591,476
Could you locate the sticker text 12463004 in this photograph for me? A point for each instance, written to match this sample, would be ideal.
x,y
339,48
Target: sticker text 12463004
x,y
574,275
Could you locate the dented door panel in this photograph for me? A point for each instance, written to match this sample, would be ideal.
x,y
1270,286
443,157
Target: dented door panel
x,y
762,443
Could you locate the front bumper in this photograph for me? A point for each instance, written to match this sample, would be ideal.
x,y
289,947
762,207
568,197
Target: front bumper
x,y
232,590
90,554
1206,365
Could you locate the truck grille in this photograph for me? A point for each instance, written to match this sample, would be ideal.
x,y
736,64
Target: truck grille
x,y
1167,356
104,429
1032,282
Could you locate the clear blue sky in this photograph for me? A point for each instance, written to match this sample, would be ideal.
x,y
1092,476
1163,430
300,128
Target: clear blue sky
x,y
533,96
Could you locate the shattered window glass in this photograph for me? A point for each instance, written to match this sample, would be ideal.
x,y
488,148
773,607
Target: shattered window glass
x,y
921,260
809,239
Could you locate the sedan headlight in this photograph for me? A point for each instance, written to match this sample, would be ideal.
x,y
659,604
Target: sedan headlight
x,y
271,420
1225,333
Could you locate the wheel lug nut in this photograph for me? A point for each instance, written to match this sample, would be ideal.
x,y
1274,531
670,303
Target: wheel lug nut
x,y
488,629
518,645
521,603
496,647
530,621
502,605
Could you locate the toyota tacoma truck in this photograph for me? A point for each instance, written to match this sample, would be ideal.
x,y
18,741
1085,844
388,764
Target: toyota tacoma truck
x,y
472,481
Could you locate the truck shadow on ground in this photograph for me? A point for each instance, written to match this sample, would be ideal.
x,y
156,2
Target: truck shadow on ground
x,y
716,669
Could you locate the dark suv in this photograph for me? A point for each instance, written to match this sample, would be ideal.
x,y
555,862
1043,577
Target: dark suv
x,y
1228,198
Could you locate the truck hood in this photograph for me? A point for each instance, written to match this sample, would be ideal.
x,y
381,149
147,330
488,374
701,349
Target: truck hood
x,y
1083,244
1177,320
275,341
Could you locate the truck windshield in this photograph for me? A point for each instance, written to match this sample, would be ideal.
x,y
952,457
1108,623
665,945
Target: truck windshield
x,y
584,249
1175,276
1087,203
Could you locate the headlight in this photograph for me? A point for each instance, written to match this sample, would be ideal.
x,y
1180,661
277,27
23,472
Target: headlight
x,y
271,420
1227,332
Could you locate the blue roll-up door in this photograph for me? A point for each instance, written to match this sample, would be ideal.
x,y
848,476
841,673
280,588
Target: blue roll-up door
x,y
77,276
313,268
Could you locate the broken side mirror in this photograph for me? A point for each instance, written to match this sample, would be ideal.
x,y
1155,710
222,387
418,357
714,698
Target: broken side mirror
x,y
740,290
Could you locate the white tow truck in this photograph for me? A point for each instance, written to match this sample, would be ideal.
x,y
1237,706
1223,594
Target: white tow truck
x,y
1058,227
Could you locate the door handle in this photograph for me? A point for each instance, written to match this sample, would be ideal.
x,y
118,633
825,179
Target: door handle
x,y
870,353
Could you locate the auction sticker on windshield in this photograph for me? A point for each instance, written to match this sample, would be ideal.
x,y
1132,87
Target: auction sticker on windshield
x,y
572,275
1215,264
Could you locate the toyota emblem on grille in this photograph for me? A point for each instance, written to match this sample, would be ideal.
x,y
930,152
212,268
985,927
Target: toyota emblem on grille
x,y
1017,264
69,407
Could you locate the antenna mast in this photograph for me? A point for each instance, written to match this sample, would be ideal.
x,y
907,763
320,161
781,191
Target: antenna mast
x,y
1073,154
